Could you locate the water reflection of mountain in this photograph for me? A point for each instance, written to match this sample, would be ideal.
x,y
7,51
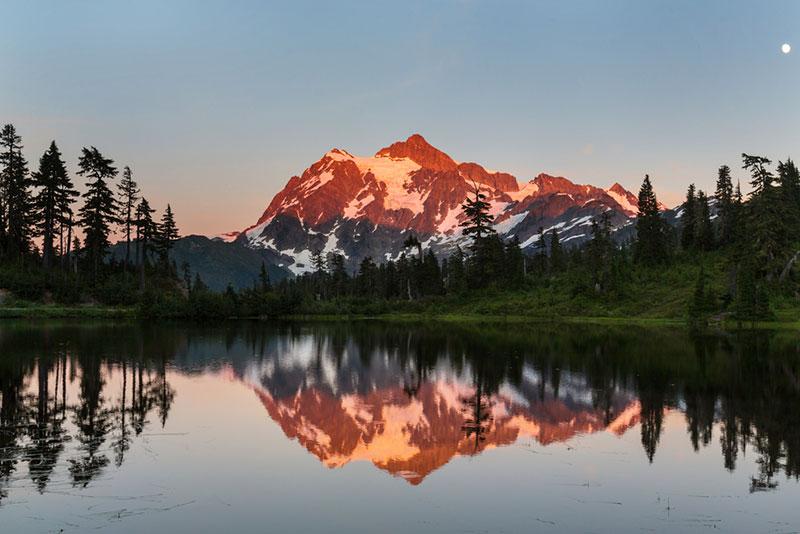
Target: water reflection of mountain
x,y
374,407
412,437
406,398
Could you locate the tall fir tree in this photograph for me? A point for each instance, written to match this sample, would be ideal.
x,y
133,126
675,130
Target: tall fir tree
x,y
456,275
129,196
317,262
704,236
146,232
431,275
769,237
540,252
166,236
265,285
514,263
724,195
600,252
556,252
53,199
789,183
689,219
651,243
100,209
16,213
478,222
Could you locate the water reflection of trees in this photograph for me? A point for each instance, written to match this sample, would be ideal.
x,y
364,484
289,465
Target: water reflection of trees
x,y
744,387
40,425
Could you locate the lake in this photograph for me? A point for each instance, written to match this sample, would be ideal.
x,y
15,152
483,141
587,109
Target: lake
x,y
373,427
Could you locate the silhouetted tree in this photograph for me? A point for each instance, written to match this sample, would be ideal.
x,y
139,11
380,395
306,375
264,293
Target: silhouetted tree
x,y
166,236
99,211
129,193
15,195
53,198
650,247
725,199
689,219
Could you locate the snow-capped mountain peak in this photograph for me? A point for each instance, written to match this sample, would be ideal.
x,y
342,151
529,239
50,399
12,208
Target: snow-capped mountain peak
x,y
362,206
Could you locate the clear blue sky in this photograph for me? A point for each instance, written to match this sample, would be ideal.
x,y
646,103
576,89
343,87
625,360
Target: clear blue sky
x,y
216,104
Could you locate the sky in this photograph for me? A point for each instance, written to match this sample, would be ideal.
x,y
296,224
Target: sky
x,y
216,104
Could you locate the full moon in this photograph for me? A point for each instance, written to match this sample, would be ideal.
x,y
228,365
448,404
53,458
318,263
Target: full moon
x,y
786,48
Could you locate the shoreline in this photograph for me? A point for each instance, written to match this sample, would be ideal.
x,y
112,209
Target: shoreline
x,y
48,311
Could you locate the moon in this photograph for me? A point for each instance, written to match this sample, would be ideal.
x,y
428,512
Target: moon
x,y
786,48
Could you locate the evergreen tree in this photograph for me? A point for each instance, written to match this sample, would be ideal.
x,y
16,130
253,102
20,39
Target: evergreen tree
x,y
704,238
696,308
478,224
413,242
166,236
456,275
53,198
187,276
199,286
540,252
129,195
431,279
600,253
789,182
744,304
146,231
317,262
725,199
338,274
762,179
769,236
263,279
737,233
650,247
99,211
702,298
514,267
556,253
478,221
367,277
16,220
689,220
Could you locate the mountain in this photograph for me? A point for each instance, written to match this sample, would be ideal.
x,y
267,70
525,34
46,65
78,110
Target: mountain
x,y
219,263
367,206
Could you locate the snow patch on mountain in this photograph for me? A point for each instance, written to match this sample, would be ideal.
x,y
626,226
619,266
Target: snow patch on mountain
x,y
528,190
623,201
508,224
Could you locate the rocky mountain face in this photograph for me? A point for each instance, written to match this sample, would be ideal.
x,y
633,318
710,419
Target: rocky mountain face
x,y
367,206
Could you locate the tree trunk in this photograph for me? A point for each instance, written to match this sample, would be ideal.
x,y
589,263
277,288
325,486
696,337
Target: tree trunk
x,y
47,245
127,242
69,244
141,264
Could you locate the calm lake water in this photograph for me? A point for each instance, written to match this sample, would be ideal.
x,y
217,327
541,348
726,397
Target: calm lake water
x,y
396,428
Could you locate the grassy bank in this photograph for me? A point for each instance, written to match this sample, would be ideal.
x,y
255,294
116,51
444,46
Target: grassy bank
x,y
787,320
55,311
